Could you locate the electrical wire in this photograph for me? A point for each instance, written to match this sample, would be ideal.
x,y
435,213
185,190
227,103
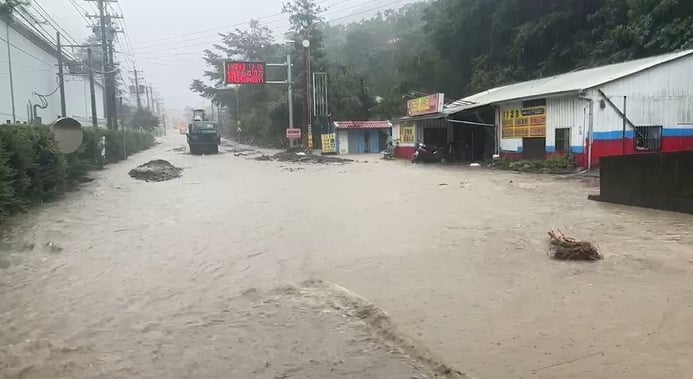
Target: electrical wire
x,y
281,15
46,16
155,52
27,53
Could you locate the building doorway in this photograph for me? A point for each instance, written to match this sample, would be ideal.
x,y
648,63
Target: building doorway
x,y
534,148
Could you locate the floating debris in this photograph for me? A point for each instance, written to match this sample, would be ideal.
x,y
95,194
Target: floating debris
x,y
566,248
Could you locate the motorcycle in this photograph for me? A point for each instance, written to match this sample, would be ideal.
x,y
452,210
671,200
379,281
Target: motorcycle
x,y
390,151
426,154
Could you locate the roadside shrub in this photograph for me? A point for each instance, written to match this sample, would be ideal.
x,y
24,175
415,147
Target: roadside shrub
x,y
33,170
7,198
547,166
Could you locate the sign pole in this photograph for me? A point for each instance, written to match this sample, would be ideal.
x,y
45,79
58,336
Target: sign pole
x,y
290,94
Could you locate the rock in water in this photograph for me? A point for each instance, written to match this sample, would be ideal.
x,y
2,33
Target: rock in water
x,y
157,170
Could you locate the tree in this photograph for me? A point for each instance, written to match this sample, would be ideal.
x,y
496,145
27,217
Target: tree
x,y
143,118
263,109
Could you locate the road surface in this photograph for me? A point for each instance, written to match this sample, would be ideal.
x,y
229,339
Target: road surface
x,y
377,269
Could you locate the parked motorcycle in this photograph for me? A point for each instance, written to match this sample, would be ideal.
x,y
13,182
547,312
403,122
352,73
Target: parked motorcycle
x,y
428,154
390,151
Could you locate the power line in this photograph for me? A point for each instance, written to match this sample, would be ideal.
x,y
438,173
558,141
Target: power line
x,y
46,16
217,29
157,53
29,54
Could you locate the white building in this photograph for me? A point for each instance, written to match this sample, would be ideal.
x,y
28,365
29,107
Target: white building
x,y
33,62
643,105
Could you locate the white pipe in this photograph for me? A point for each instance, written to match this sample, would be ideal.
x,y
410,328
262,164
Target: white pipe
x,y
589,130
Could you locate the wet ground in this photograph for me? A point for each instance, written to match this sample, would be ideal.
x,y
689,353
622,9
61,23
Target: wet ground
x,y
244,268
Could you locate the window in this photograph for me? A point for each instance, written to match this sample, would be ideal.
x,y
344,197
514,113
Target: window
x,y
563,140
648,138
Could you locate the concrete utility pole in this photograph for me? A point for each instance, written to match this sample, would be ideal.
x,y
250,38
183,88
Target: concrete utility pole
x,y
137,88
309,113
92,92
106,33
9,63
61,77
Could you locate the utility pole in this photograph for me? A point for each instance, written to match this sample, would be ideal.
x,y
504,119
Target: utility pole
x,y
61,77
309,113
106,33
290,94
9,63
146,91
137,87
92,92
105,64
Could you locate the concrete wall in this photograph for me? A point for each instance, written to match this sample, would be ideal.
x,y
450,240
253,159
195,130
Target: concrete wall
x,y
35,69
653,180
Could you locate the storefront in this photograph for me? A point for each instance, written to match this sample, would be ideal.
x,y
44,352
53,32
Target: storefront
x,y
360,137
469,136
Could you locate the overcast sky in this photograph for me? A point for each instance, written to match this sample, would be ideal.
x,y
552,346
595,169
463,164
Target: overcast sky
x,y
166,37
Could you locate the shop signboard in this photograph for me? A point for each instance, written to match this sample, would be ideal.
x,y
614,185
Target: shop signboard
x,y
407,133
329,143
425,105
251,73
519,122
293,133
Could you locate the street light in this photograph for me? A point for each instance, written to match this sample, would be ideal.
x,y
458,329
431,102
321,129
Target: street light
x,y
306,45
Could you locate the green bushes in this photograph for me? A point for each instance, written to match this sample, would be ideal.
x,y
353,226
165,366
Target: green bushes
x,y
548,166
32,170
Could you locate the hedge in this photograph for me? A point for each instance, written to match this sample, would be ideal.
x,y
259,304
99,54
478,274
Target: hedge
x,y
32,170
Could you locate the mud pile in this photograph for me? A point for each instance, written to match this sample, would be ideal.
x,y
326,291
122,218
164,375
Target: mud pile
x,y
157,170
294,156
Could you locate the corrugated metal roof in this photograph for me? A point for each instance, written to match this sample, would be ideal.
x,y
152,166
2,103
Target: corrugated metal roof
x,y
362,124
571,82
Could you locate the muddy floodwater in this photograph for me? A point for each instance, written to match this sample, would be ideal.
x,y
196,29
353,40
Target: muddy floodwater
x,y
261,269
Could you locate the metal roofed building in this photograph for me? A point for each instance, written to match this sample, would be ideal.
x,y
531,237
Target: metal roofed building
x,y
642,105
357,137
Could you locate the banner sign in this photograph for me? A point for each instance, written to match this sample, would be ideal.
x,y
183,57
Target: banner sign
x,y
524,122
293,133
245,72
426,105
407,133
329,143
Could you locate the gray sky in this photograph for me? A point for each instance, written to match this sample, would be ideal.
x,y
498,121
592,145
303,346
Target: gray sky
x,y
166,37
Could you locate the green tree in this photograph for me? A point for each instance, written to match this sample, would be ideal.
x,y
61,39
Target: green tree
x,y
143,118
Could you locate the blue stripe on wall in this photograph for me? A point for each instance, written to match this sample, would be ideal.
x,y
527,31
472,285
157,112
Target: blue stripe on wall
x,y
550,149
615,135
677,132
666,132
577,149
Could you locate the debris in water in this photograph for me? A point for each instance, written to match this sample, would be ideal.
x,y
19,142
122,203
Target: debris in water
x,y
569,249
292,155
179,149
157,170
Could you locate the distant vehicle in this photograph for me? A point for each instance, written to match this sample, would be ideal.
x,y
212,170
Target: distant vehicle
x,y
203,135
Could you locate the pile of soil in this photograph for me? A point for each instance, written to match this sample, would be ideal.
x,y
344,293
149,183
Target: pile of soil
x,y
566,248
157,170
295,156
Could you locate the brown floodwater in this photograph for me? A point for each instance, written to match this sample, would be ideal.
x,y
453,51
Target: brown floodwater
x,y
214,275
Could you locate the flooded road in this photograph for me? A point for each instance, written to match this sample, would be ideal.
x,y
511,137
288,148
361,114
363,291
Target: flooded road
x,y
242,268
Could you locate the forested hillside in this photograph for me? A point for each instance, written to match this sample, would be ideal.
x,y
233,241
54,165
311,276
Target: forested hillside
x,y
453,46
